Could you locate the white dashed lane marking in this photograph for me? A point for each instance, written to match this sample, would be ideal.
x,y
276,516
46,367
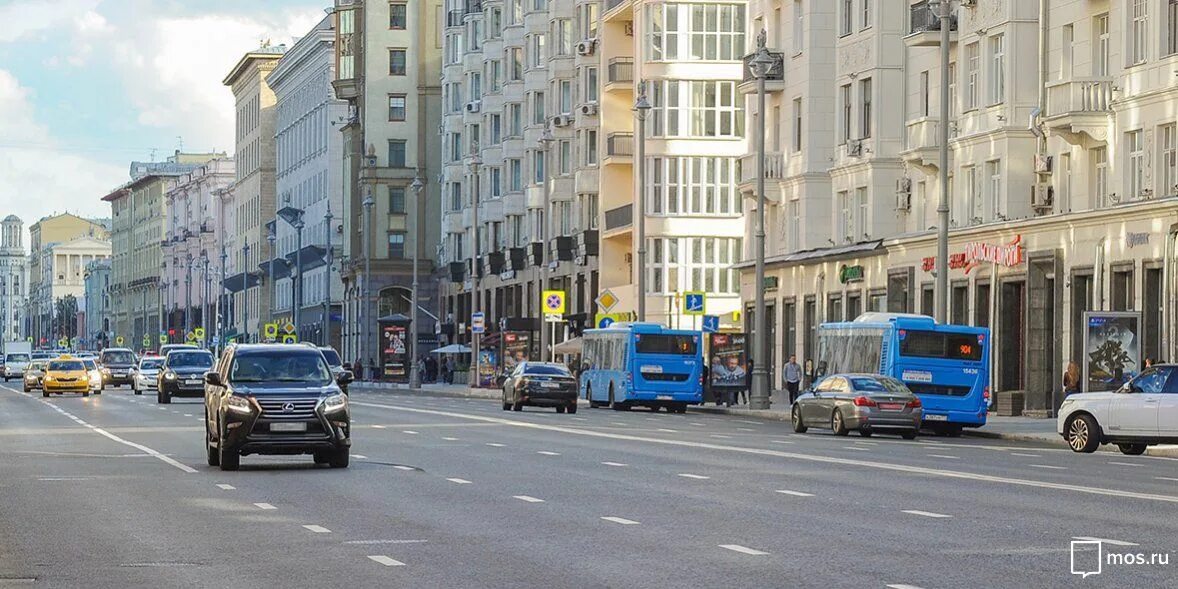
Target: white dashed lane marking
x,y
317,529
459,481
380,427
225,487
1024,454
494,445
264,506
1105,541
547,453
697,477
794,493
380,559
1123,463
620,520
926,513
743,549
408,431
528,499
1047,466
450,439
902,586
614,464
402,467
944,456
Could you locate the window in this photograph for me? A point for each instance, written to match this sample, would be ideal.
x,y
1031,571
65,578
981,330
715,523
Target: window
x,y
867,6
845,228
396,153
1100,176
589,204
396,62
847,15
397,200
515,61
565,157
799,27
397,15
475,35
994,170
845,114
455,196
793,219
515,12
972,63
1135,173
1102,46
953,108
797,134
475,138
693,186
1064,190
693,108
494,23
590,85
456,147
397,107
973,186
1138,32
861,214
924,94
1169,175
566,96
515,119
1171,27
865,108
537,167
396,245
997,69
495,181
693,263
590,147
538,56
476,85
1066,54
539,5
538,108
515,175
696,32
495,124
563,29
494,75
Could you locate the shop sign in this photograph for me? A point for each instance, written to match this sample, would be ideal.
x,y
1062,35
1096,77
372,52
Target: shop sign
x,y
1009,255
1133,240
850,274
956,262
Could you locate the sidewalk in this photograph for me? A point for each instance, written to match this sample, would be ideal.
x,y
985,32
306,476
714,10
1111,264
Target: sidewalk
x,y
1021,429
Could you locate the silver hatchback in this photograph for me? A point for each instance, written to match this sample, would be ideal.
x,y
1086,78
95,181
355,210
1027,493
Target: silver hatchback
x,y
863,402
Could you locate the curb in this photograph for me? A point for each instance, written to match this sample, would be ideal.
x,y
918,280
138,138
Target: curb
x,y
466,393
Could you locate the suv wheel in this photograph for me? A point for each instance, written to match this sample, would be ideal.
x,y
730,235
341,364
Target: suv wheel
x,y
320,457
164,398
340,458
213,454
1132,449
1082,434
228,457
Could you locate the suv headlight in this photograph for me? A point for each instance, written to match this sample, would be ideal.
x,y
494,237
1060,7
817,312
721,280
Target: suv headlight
x,y
334,403
169,375
106,371
237,404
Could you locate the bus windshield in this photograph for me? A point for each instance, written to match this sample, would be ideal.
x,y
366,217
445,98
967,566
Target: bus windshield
x,y
949,346
679,345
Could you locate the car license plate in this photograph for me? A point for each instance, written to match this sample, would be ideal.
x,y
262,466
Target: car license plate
x,y
550,385
664,397
192,381
891,406
288,427
936,418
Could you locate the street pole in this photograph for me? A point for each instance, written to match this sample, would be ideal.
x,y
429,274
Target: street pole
x,y
271,237
297,303
204,299
546,140
187,299
941,286
414,373
245,291
475,302
222,301
761,65
364,315
641,108
327,295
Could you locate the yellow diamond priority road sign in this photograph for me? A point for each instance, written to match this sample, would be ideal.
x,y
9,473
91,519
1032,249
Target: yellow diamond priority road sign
x,y
607,300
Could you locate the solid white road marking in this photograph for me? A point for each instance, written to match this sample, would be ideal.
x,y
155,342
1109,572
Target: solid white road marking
x,y
317,529
450,439
381,427
620,520
1123,463
807,457
265,506
926,513
697,477
944,456
615,464
1024,454
902,586
494,445
1166,479
527,499
665,430
401,467
225,487
742,549
385,560
459,481
359,457
721,436
1105,541
1047,466
547,453
408,431
794,493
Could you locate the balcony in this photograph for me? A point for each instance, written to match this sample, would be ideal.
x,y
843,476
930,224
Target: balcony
x,y
774,168
619,74
1078,109
923,140
619,218
774,82
619,148
925,27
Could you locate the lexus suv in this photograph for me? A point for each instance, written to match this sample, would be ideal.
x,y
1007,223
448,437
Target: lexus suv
x,y
118,366
275,399
183,374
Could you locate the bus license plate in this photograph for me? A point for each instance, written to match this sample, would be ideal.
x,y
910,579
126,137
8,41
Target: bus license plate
x,y
936,418
891,406
664,397
288,427
652,369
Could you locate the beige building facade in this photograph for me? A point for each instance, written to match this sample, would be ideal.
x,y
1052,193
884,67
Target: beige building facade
x,y
57,246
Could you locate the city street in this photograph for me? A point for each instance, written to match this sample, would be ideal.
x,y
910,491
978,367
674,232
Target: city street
x,y
113,491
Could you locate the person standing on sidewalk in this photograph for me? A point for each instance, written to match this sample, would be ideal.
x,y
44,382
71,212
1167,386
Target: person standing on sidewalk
x,y
792,373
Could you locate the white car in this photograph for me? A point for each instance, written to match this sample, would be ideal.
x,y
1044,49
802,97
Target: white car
x,y
147,374
15,365
1143,412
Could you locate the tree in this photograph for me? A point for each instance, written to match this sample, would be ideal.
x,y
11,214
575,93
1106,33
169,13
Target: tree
x,y
66,310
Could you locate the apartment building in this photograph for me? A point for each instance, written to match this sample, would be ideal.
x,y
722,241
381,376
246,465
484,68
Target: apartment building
x,y
14,279
1043,153
252,195
60,247
190,269
388,67
95,333
309,178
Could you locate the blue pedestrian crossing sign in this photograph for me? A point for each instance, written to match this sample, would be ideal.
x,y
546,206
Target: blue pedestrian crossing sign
x,y
693,303
711,323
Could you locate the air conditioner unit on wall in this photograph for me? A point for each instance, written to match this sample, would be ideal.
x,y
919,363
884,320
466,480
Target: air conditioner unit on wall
x,y
586,47
1043,163
589,109
473,106
1042,197
561,121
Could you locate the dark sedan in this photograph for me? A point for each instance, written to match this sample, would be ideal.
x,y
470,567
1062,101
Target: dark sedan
x,y
866,403
182,374
540,384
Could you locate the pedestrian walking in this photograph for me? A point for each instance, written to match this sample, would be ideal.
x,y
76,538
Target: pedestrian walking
x,y
1071,379
742,394
792,373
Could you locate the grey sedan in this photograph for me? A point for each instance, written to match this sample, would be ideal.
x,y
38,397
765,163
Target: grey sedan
x,y
862,402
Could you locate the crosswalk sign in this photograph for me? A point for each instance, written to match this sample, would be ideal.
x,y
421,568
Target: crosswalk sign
x,y
694,302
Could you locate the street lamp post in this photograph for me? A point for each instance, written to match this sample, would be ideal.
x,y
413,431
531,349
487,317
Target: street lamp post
x,y
222,314
271,237
204,296
414,374
367,292
941,304
294,217
187,297
245,291
641,108
327,295
475,303
761,66
546,141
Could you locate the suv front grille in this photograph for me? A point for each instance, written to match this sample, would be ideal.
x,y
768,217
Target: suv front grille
x,y
275,408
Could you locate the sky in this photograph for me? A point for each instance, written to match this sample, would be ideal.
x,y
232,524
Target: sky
x,y
87,86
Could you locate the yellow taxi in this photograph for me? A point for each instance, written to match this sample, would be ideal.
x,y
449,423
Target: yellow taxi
x,y
66,374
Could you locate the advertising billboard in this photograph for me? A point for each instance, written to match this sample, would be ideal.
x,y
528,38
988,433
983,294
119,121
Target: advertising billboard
x,y
728,361
1112,349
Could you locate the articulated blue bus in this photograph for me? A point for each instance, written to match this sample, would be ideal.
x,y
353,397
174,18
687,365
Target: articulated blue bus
x,y
945,365
642,364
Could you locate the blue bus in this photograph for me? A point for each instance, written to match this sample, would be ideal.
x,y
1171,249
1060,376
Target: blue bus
x,y
642,364
947,366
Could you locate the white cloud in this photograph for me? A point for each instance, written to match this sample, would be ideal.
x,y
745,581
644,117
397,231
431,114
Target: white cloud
x,y
39,177
31,18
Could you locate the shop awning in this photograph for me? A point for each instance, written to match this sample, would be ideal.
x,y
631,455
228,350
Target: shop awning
x,y
866,248
568,347
239,282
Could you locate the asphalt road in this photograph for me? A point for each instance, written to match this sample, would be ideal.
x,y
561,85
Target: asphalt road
x,y
113,491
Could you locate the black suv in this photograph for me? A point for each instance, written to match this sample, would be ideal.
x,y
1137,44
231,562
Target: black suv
x,y
275,399
183,374
118,367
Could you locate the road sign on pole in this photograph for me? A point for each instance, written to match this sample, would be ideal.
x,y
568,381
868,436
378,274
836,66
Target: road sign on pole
x,y
199,332
606,301
694,303
478,322
552,302
271,331
603,320
163,338
118,340
711,323
289,339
